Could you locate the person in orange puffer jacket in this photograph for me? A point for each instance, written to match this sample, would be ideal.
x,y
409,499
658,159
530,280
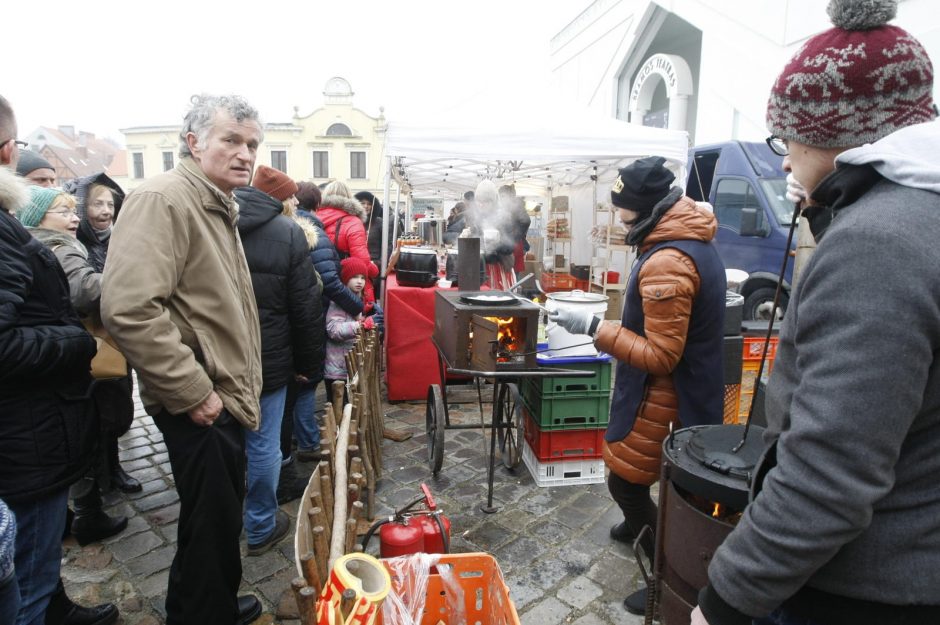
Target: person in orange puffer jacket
x,y
668,344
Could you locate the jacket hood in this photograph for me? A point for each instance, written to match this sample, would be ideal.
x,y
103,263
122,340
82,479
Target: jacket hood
x,y
13,193
54,238
905,157
255,208
310,230
683,221
79,188
353,207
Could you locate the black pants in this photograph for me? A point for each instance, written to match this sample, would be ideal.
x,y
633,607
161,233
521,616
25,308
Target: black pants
x,y
209,469
637,506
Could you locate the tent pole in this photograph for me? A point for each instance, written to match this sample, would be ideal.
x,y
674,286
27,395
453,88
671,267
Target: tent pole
x,y
384,257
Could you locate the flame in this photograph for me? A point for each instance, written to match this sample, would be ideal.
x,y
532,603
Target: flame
x,y
718,510
506,334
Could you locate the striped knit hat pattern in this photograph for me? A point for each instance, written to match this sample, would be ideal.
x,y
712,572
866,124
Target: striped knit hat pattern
x,y
40,201
855,83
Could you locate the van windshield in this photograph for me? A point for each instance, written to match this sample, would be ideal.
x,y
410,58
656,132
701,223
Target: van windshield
x,y
776,191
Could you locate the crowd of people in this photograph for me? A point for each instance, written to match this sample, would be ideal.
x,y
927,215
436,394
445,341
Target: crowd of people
x,y
232,292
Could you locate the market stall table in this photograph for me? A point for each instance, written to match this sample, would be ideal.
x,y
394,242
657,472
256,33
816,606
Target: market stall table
x,y
411,358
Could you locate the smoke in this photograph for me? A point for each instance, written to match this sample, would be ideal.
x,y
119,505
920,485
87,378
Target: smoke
x,y
499,217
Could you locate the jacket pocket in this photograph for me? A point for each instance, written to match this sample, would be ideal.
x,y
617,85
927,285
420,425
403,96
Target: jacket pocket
x,y
208,355
658,291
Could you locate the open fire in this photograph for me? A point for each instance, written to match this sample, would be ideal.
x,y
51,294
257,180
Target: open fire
x,y
507,336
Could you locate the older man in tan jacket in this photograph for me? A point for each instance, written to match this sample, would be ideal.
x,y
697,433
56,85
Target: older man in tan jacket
x,y
177,298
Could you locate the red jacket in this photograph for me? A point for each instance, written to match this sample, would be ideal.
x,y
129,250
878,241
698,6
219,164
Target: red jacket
x,y
350,238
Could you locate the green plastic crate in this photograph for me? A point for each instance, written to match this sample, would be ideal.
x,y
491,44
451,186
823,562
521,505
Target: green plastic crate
x,y
598,383
567,412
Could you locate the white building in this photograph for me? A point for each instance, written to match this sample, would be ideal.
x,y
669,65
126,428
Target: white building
x,y
702,66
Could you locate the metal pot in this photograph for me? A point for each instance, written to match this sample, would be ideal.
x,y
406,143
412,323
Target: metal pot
x,y
560,341
412,258
431,230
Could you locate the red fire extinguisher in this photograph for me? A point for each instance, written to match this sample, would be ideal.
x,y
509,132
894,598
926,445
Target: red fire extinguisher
x,y
413,530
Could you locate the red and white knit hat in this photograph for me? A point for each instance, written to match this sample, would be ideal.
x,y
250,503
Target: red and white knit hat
x,y
855,83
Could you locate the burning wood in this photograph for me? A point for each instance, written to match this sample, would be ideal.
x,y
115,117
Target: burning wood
x,y
714,509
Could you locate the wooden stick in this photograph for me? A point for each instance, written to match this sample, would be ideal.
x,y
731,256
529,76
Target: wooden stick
x,y
327,455
322,550
307,605
304,611
339,389
346,603
316,517
350,539
355,513
326,440
352,493
337,542
326,487
329,422
308,562
357,479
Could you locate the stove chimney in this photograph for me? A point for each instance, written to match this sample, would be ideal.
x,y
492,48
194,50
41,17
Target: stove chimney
x,y
468,264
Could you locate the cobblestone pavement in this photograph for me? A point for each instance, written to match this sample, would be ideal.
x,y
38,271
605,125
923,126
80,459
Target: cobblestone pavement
x,y
552,544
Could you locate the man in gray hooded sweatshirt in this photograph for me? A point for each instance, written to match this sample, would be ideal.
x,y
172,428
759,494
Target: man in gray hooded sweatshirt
x,y
846,525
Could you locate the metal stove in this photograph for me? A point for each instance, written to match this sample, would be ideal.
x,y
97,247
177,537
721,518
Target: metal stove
x,y
486,330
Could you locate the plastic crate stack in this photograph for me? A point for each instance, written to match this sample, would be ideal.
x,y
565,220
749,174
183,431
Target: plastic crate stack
x,y
565,421
752,353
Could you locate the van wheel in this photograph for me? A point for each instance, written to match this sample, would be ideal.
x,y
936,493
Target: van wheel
x,y
758,304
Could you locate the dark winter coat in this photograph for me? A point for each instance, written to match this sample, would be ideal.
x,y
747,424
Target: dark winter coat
x,y
326,262
48,424
287,289
96,243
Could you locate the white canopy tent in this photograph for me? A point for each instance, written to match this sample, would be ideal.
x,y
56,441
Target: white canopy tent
x,y
543,152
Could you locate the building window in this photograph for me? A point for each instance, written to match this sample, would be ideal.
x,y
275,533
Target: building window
x,y
138,165
167,161
357,164
321,164
338,130
279,160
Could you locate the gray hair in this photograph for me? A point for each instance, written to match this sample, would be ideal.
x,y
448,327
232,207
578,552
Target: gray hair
x,y
202,113
7,119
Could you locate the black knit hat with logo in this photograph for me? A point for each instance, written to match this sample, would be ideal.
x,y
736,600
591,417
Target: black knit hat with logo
x,y
641,185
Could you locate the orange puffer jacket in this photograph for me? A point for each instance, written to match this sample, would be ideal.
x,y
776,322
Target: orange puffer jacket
x,y
668,284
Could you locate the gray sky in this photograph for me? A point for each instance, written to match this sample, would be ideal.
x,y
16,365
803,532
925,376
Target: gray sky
x,y
106,64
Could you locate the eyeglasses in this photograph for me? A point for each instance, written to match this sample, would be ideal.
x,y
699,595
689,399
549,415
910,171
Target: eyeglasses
x,y
777,145
68,214
21,144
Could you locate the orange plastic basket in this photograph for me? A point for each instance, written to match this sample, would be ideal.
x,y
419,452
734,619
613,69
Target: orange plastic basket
x,y
485,594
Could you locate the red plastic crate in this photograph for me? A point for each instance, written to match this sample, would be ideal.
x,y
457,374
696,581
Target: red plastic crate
x,y
754,349
552,282
551,445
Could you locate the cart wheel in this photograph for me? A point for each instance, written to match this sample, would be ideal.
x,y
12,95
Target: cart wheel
x,y
509,425
434,423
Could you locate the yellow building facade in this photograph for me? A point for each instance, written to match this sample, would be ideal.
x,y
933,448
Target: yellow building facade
x,y
334,142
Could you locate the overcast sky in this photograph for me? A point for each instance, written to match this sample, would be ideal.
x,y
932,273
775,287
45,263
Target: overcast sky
x,y
105,64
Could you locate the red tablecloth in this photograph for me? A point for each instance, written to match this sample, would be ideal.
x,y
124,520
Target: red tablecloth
x,y
411,358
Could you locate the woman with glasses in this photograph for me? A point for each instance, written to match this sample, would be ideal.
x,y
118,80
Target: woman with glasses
x,y
52,219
